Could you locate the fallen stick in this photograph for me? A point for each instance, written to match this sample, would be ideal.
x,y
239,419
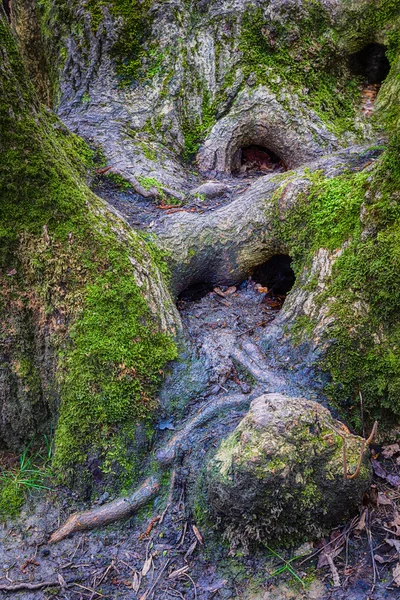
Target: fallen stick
x,y
31,586
108,513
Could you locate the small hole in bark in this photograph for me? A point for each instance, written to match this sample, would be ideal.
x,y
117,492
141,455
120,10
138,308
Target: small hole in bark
x,y
276,274
256,160
371,63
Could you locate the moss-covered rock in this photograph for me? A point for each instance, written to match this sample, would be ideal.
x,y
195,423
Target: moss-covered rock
x,y
280,476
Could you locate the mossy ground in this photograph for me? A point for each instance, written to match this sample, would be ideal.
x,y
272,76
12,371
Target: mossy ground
x,y
72,275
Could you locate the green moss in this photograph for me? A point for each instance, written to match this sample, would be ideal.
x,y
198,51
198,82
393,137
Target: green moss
x,y
195,129
300,54
129,49
363,291
12,498
75,275
301,329
119,181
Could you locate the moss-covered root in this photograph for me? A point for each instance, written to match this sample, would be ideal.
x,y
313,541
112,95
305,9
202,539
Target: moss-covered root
x,y
121,508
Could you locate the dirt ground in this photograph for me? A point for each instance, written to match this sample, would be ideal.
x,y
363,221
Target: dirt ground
x,y
174,551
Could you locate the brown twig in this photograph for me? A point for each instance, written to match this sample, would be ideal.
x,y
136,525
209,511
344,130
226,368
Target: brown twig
x,y
31,586
150,526
108,513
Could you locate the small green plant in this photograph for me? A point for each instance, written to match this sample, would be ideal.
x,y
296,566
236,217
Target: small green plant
x,y
151,182
286,567
32,473
119,181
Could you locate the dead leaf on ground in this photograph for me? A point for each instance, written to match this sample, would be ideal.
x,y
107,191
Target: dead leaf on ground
x,y
383,500
378,469
396,575
191,549
379,559
178,572
395,523
136,582
217,290
231,290
389,451
393,543
147,566
361,523
198,535
261,289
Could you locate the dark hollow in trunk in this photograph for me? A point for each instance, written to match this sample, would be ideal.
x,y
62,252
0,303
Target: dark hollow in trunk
x,y
195,292
256,159
276,274
370,63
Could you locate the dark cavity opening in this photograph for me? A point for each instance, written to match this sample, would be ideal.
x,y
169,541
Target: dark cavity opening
x,y
276,274
370,63
256,160
195,292
7,9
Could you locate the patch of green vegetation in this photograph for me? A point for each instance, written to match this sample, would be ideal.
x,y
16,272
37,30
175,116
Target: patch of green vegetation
x,y
129,49
32,473
151,182
302,328
119,181
195,130
301,55
358,213
76,276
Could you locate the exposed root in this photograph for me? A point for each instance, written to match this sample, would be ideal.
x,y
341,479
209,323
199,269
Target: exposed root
x,y
252,360
152,192
108,513
165,456
125,507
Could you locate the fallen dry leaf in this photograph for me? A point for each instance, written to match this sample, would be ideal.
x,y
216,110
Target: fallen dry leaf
x,y
383,500
217,290
147,566
191,549
396,523
396,575
389,451
361,523
379,559
378,469
198,535
393,543
136,582
231,290
178,572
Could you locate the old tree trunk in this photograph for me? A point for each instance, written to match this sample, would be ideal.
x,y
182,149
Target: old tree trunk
x,y
152,151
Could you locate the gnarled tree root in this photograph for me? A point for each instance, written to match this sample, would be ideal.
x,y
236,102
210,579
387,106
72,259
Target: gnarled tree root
x,y
125,507
108,513
165,456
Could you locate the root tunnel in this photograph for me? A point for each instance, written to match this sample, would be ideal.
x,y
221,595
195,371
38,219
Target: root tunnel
x,y
276,274
256,159
370,63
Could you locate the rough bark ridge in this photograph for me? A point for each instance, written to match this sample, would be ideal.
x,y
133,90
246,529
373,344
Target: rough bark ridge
x,y
152,85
